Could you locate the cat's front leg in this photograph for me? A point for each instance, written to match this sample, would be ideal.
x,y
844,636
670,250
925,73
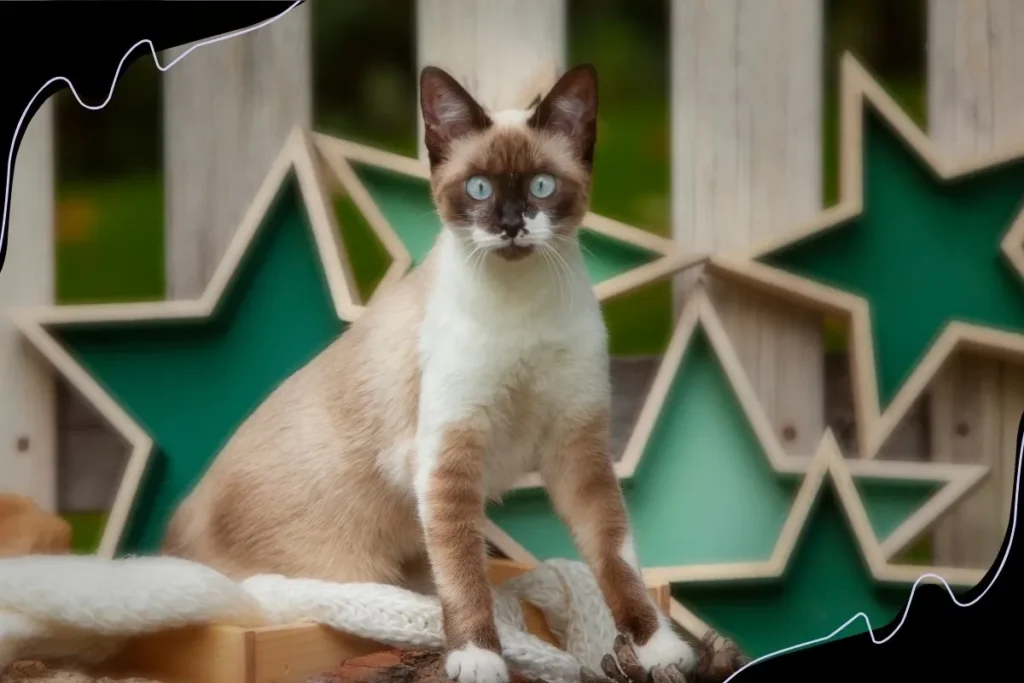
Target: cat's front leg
x,y
449,489
581,481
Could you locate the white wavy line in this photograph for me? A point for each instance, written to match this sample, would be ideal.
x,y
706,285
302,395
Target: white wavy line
x,y
156,60
913,589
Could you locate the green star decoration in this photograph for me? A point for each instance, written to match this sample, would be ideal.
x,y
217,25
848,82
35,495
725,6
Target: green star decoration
x,y
922,257
922,252
177,378
714,499
827,579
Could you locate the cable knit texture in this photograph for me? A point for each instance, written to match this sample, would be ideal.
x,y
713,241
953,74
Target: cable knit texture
x,y
82,608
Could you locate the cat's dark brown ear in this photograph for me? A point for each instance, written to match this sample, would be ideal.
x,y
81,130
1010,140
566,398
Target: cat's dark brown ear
x,y
570,108
449,112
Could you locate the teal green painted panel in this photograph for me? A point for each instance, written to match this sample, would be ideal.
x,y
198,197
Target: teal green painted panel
x,y
827,583
704,491
409,209
923,253
191,385
888,504
606,257
531,521
366,253
407,206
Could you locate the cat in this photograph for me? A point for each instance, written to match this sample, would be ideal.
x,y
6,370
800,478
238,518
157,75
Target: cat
x,y
374,461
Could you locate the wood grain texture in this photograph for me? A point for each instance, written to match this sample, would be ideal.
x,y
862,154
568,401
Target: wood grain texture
x,y
91,457
196,654
911,440
746,164
493,47
631,379
228,109
28,461
975,104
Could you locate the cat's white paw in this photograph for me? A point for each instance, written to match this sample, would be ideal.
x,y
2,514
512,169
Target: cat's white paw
x,y
472,664
664,648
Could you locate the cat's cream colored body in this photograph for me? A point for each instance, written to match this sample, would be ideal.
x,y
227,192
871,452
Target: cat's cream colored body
x,y
320,481
373,462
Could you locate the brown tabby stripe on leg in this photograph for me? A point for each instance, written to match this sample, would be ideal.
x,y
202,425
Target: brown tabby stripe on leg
x,y
599,519
456,543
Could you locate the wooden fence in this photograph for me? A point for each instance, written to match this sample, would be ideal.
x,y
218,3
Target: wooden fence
x,y
746,111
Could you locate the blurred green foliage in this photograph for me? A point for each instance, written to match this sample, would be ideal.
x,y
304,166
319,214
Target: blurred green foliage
x,y
109,241
110,214
86,530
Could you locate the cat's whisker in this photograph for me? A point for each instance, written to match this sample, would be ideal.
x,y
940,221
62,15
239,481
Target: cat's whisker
x,y
432,212
565,269
480,261
547,266
579,243
472,262
552,266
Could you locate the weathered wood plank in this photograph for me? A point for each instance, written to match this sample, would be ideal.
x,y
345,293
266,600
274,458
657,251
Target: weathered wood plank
x,y
28,462
975,100
746,164
493,47
228,108
911,440
91,457
631,380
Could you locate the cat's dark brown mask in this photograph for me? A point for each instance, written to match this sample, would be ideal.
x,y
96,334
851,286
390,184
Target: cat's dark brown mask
x,y
510,181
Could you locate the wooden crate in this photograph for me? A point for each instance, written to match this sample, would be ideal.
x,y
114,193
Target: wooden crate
x,y
273,654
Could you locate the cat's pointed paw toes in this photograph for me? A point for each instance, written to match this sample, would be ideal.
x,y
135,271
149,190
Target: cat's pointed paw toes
x,y
472,664
666,648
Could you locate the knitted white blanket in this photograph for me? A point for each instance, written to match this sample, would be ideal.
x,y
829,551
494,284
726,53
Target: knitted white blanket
x,y
81,608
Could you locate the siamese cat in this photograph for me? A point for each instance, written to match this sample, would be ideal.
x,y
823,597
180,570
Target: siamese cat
x,y
373,463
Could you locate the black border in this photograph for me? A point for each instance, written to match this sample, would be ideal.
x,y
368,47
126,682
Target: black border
x,y
84,42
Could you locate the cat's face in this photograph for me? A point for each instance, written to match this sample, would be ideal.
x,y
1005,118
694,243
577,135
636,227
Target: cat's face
x,y
513,182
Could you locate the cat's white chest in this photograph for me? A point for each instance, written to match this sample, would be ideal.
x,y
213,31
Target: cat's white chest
x,y
515,364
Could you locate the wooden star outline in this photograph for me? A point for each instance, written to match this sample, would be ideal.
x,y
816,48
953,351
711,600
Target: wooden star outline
x,y
875,426
827,465
37,324
954,480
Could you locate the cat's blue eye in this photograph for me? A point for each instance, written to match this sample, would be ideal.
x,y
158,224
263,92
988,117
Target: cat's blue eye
x,y
479,188
542,185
